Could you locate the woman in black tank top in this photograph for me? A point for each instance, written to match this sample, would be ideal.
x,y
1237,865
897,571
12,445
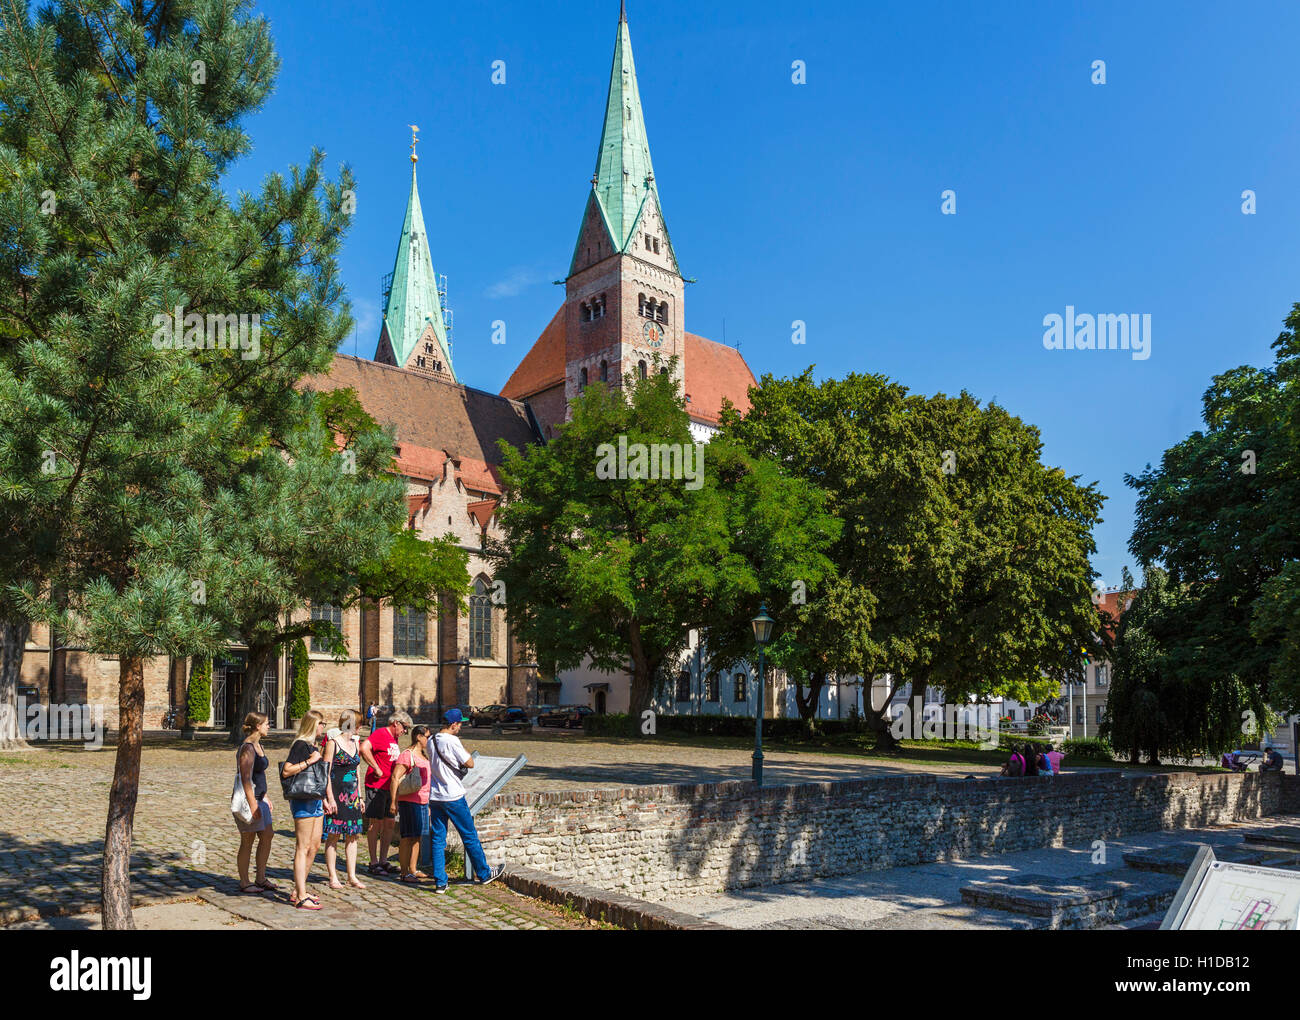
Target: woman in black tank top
x,y
252,762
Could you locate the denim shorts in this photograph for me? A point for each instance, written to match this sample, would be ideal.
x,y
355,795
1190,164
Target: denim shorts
x,y
307,808
413,819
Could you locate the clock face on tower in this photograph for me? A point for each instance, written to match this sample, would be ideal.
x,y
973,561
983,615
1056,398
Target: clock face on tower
x,y
654,334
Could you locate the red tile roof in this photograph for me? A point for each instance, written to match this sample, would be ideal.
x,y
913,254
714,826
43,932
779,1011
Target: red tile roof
x,y
713,372
483,511
434,418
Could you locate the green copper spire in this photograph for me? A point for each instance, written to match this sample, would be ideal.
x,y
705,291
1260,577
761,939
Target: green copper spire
x,y
413,305
624,177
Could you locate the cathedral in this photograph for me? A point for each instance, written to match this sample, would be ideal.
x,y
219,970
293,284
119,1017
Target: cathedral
x,y
623,312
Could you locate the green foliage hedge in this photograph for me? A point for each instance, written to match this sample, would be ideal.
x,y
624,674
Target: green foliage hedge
x,y
300,693
1091,748
198,695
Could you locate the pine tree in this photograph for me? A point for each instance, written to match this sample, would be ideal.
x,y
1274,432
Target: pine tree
x,y
124,407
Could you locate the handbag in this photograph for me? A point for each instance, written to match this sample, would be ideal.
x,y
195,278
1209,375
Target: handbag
x,y
309,784
412,782
239,806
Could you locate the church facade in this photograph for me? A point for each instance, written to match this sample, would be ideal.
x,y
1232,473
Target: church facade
x,y
624,313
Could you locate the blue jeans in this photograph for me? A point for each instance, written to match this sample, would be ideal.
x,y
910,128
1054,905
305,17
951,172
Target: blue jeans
x,y
457,812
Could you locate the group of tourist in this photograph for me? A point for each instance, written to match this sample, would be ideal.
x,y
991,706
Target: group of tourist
x,y
1030,760
415,791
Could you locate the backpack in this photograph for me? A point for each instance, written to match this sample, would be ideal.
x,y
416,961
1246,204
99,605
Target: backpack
x,y
1016,765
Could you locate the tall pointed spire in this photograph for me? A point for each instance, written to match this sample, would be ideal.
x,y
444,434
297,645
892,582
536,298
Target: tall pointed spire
x,y
413,327
624,177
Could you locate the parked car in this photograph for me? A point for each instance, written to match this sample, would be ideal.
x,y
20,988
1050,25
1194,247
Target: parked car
x,y
569,716
486,716
503,717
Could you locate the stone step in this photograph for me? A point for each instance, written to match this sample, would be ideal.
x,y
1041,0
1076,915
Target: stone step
x,y
1080,902
1279,836
1175,860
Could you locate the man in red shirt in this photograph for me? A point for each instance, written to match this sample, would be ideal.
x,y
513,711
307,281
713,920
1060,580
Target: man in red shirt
x,y
380,751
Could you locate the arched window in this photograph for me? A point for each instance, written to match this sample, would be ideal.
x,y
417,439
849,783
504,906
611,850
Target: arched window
x,y
640,367
604,370
480,622
601,307
661,313
664,370
640,308
586,312
582,379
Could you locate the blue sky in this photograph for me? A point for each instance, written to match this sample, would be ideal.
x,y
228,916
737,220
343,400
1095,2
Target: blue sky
x,y
821,202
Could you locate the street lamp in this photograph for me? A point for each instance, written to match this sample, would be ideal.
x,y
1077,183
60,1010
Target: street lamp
x,y
762,625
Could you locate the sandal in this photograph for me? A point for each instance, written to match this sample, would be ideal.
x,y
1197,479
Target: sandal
x,y
308,903
252,889
267,885
412,878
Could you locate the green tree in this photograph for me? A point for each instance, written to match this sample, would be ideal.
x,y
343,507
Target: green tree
x,y
1221,514
300,693
198,693
118,425
618,569
962,559
1160,701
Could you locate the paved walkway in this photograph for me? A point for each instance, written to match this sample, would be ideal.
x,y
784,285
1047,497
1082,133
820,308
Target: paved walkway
x,y
51,842
929,895
51,836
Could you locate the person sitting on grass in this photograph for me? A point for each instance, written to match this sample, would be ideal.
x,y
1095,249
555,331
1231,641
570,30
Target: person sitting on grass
x,y
1015,765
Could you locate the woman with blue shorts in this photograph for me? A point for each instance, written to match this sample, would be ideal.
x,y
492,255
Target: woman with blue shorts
x,y
308,815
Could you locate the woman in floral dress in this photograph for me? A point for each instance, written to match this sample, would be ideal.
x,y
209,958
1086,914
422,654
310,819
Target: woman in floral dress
x,y
343,802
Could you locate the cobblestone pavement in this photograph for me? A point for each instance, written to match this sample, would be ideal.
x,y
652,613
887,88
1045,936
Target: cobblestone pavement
x,y
52,823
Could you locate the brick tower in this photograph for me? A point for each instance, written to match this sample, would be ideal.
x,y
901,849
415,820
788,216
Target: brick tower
x,y
624,301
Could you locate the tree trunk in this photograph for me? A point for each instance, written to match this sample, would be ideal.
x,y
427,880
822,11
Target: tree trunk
x,y
258,657
641,686
116,892
916,704
13,643
808,705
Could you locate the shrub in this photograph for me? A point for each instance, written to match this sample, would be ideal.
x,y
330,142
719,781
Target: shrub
x,y
300,693
1008,742
1091,748
198,695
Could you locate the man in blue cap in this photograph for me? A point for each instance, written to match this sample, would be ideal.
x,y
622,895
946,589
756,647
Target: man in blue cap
x,y
447,803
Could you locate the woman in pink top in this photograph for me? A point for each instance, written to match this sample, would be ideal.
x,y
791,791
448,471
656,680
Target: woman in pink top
x,y
412,808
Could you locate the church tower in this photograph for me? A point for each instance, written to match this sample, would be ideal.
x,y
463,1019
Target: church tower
x,y
624,295
415,328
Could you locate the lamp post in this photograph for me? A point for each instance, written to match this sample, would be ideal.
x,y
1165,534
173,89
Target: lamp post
x,y
762,625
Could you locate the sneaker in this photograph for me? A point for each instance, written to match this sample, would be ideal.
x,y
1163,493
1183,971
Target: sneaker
x,y
440,888
492,875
